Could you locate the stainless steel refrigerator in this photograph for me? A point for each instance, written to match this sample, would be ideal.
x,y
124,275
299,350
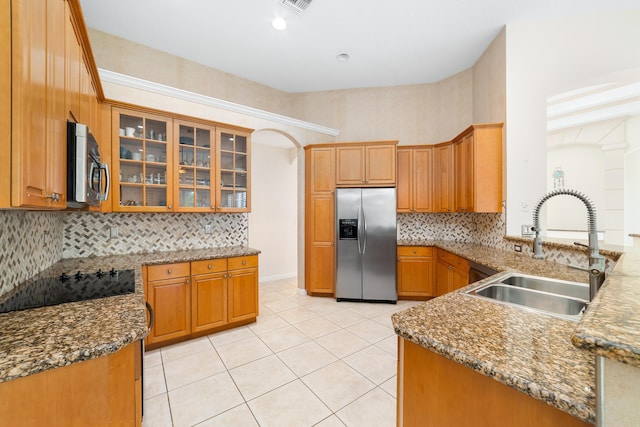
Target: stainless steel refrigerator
x,y
366,250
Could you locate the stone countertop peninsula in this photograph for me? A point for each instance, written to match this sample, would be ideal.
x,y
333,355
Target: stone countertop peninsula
x,y
523,349
40,339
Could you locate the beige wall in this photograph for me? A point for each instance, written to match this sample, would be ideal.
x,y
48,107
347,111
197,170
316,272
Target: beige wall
x,y
132,59
490,83
413,114
273,225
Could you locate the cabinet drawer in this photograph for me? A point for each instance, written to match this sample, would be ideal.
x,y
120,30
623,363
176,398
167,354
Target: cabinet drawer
x,y
167,271
209,266
243,262
452,259
415,251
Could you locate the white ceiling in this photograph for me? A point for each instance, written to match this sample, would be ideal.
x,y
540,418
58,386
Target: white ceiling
x,y
391,42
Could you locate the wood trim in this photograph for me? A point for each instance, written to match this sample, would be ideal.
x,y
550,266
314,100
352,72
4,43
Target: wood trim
x,y
478,126
346,144
76,13
170,115
5,103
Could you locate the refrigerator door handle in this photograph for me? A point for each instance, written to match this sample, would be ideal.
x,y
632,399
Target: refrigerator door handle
x,y
364,226
359,229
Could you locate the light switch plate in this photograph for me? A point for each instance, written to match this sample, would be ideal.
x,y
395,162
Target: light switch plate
x,y
113,232
207,229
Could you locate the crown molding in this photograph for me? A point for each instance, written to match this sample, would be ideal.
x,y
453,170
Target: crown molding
x,y
160,89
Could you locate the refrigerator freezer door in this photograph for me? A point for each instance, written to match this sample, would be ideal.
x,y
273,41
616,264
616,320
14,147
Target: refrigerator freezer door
x,y
349,259
379,257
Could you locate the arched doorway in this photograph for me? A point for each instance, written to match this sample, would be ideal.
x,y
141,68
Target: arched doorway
x,y
273,221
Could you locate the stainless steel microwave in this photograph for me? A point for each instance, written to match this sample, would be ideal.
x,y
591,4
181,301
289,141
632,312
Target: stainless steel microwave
x,y
87,176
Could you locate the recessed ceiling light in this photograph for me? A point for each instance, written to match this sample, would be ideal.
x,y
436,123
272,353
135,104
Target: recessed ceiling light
x,y
343,57
279,24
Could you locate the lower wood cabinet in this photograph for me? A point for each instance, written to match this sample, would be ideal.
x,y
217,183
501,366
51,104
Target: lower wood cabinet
x,y
415,272
102,391
452,272
168,290
201,297
436,391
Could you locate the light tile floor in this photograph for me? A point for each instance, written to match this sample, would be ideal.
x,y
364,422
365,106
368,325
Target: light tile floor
x,y
306,362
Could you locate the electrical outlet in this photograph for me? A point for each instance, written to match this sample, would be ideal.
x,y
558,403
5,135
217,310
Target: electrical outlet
x,y
207,229
527,230
113,232
517,248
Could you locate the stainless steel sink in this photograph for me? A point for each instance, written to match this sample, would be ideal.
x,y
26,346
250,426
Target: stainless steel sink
x,y
555,297
544,284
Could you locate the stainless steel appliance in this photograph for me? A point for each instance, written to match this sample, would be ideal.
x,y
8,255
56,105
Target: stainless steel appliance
x,y
366,249
87,176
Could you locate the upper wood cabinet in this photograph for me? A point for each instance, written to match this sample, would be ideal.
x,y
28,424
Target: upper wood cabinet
x,y
142,166
478,169
40,44
321,171
366,164
34,50
443,178
415,179
233,171
162,164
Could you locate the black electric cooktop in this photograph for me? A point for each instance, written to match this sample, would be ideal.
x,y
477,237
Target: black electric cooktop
x,y
70,288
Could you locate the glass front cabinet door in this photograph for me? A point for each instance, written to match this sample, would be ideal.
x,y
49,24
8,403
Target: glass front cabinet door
x,y
194,160
142,172
233,171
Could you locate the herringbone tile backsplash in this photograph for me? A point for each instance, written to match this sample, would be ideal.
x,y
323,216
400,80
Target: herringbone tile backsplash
x,y
33,241
88,234
29,243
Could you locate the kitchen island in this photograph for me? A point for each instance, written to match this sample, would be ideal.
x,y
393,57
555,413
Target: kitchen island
x,y
534,353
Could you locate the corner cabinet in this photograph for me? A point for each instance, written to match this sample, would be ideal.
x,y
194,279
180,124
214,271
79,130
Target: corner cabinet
x,y
165,164
452,272
415,179
443,177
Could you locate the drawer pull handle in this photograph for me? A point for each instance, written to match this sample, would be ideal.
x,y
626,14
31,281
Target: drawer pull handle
x,y
209,266
414,251
169,271
244,262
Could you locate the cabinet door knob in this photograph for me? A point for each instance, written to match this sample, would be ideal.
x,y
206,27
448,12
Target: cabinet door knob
x,y
169,207
244,262
187,281
169,271
225,275
209,266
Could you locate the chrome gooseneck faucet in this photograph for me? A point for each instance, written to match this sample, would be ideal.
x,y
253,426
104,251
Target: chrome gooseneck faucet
x,y
596,261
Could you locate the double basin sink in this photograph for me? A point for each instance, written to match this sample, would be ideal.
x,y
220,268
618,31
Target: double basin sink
x,y
559,298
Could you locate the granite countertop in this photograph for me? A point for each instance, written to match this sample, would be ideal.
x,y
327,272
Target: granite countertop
x,y
523,349
611,325
40,339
